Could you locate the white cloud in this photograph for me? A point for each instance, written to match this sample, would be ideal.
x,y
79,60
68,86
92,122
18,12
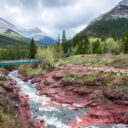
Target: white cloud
x,y
52,16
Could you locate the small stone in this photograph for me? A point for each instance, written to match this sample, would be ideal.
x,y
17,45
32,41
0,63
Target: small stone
x,y
41,121
51,126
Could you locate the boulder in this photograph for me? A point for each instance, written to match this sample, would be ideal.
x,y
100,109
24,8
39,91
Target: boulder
x,y
58,76
40,86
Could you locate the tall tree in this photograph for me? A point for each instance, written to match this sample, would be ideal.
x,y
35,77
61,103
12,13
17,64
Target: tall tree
x,y
58,38
125,45
111,45
3,54
113,34
75,40
83,46
64,36
125,42
32,49
17,51
97,47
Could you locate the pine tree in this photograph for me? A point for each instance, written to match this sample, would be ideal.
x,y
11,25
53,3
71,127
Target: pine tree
x,y
75,40
113,34
17,51
32,49
83,46
58,38
125,47
64,36
125,42
97,47
4,55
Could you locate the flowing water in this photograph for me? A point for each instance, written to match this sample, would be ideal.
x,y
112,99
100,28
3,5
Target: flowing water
x,y
52,114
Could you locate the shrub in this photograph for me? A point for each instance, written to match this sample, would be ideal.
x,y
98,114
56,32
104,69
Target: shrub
x,y
45,55
117,52
90,78
71,77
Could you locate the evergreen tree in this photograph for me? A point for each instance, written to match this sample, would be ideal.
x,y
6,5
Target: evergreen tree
x,y
64,36
3,54
64,43
17,51
83,46
58,38
102,38
32,49
75,40
125,42
97,47
11,53
125,46
113,34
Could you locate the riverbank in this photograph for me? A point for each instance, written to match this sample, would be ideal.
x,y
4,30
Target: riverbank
x,y
14,109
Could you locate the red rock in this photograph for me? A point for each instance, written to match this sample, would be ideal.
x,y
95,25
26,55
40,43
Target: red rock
x,y
26,78
46,82
58,76
104,114
8,87
1,83
36,80
40,86
121,102
51,91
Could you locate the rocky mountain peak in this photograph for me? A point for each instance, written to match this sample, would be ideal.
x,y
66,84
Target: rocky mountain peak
x,y
36,33
115,19
124,2
120,11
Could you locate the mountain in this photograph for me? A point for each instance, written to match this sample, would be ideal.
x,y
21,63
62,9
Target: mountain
x,y
5,40
115,20
25,34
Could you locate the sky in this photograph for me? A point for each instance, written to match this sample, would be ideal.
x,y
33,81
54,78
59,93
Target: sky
x,y
52,16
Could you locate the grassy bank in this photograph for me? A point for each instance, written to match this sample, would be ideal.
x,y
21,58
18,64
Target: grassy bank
x,y
8,114
119,61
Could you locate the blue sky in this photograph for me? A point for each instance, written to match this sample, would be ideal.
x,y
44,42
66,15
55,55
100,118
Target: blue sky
x,y
52,16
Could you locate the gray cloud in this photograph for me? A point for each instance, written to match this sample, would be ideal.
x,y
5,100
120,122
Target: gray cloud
x,y
56,3
54,15
35,3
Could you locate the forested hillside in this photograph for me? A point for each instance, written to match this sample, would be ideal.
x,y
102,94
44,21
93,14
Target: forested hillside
x,y
5,40
105,27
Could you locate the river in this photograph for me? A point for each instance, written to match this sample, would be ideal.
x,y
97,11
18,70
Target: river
x,y
52,114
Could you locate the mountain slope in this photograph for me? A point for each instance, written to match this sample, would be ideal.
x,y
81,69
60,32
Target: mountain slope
x,y
7,41
25,34
116,19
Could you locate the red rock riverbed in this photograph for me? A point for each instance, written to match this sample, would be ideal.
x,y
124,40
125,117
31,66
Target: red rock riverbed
x,y
53,105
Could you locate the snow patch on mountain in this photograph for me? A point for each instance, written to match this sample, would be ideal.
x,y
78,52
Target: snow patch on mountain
x,y
35,33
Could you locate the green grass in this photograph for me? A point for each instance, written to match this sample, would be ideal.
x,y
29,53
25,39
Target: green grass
x,y
84,78
119,61
71,77
110,84
90,78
